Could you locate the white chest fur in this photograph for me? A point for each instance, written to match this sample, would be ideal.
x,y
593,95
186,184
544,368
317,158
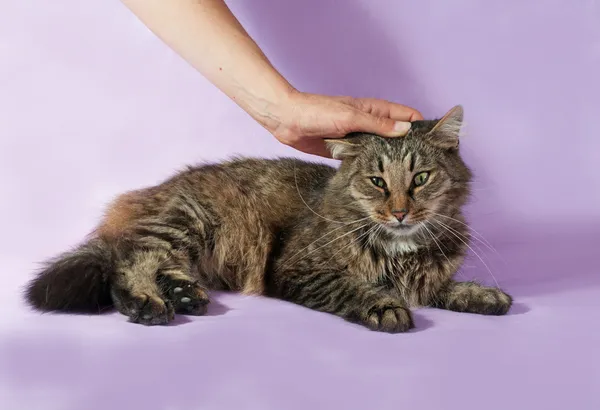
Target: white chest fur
x,y
401,246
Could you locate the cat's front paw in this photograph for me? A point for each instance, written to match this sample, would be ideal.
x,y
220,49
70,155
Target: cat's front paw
x,y
388,315
480,300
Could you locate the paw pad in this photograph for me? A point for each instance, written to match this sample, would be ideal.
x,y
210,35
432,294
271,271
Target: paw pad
x,y
187,296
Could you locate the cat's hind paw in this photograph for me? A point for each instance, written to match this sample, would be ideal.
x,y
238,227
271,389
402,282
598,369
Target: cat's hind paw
x,y
188,297
149,310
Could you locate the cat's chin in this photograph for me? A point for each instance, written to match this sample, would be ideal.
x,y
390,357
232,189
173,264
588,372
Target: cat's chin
x,y
401,230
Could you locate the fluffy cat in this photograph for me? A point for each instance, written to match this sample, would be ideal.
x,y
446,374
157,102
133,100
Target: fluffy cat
x,y
365,242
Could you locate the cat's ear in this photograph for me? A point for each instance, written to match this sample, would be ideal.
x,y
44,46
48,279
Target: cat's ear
x,y
341,148
445,134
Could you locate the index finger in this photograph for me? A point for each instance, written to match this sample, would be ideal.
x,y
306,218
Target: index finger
x,y
383,108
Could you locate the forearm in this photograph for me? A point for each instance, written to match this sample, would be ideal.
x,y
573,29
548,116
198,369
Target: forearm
x,y
209,37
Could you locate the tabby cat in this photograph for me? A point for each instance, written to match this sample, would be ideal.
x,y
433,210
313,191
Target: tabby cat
x,y
365,242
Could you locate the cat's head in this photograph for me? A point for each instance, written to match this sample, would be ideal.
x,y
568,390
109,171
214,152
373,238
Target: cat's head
x,y
401,183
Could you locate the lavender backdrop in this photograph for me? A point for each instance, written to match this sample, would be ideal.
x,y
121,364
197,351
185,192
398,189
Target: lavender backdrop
x,y
92,104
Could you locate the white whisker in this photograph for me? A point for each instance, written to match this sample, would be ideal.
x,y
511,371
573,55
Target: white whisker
x,y
333,240
472,250
321,237
456,232
312,210
482,240
371,229
437,243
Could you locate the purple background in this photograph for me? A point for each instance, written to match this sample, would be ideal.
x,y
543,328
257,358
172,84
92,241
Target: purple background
x,y
92,104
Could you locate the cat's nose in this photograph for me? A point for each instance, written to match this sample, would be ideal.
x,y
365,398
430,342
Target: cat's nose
x,y
400,214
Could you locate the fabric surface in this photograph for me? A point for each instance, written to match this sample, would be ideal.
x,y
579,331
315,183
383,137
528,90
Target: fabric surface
x,y
92,104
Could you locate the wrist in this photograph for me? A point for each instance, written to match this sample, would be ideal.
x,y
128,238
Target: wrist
x,y
272,107
277,116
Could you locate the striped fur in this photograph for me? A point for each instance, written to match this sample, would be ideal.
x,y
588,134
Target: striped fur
x,y
306,233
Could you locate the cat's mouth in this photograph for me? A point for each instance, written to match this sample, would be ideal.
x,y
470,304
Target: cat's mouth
x,y
405,227
401,228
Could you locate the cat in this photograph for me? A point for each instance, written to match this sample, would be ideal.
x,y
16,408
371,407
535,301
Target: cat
x,y
366,242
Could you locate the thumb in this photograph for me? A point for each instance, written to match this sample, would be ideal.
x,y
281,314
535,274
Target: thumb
x,y
384,126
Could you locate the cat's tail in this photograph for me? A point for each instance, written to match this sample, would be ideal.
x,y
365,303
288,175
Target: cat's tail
x,y
76,281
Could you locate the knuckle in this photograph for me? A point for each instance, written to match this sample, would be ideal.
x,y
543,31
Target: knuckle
x,y
381,121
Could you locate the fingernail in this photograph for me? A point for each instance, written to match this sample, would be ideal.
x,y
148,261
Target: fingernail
x,y
402,127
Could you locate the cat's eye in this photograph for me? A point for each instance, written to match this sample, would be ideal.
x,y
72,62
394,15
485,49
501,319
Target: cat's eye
x,y
421,178
378,182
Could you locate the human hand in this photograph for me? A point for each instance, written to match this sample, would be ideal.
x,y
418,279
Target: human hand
x,y
305,120
209,37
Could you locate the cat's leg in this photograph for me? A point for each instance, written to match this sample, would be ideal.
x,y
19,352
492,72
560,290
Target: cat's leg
x,y
255,265
471,297
134,289
348,297
151,285
152,278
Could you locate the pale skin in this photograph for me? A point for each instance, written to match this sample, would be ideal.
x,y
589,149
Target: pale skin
x,y
209,37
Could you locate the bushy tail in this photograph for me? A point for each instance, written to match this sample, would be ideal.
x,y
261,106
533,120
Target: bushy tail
x,y
76,281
